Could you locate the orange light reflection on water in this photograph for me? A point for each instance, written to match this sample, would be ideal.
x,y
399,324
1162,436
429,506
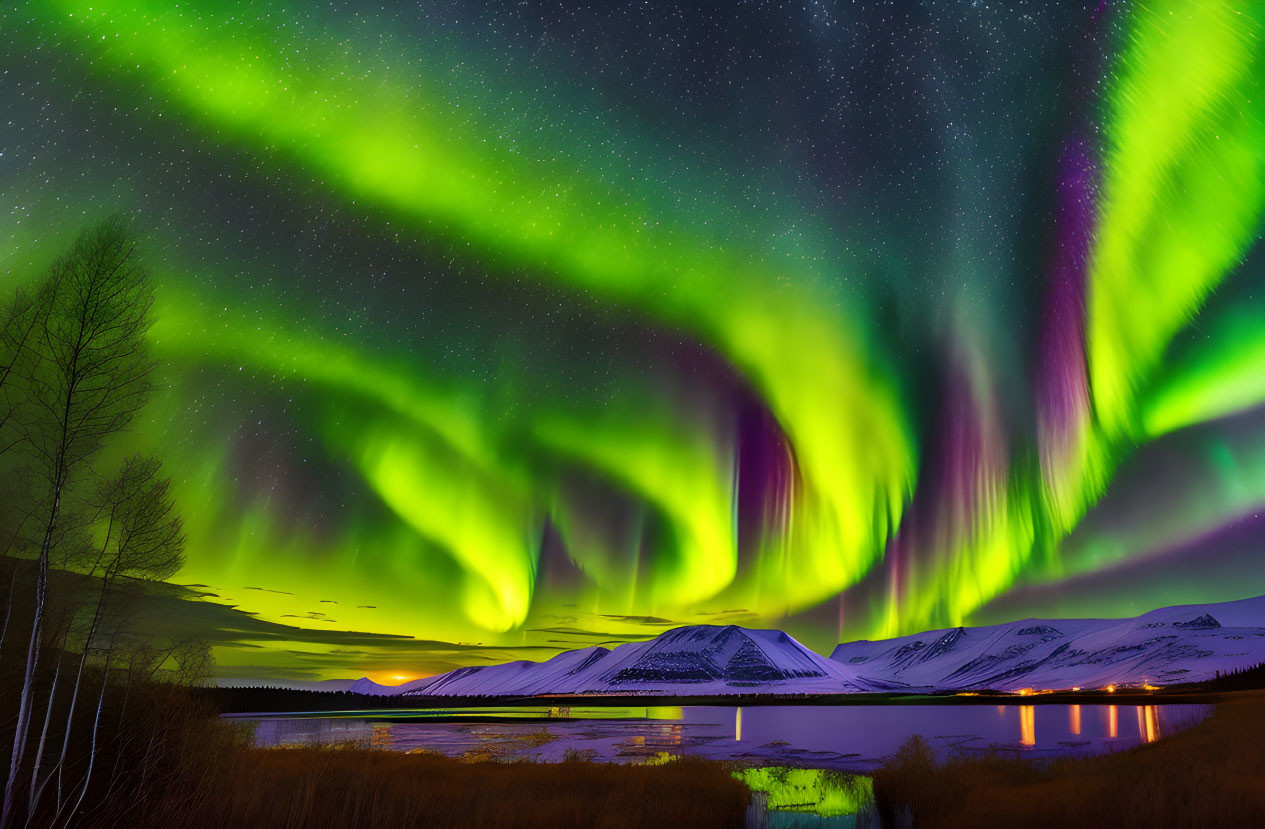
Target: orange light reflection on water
x,y
1074,718
1027,725
1148,723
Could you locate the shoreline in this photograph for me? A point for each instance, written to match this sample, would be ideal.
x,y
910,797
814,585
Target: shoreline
x,y
1184,697
1207,776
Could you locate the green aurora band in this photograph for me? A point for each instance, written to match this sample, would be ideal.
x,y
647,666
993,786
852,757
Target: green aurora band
x,y
444,484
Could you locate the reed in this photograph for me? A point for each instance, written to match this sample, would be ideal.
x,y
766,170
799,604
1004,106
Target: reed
x,y
352,787
1208,776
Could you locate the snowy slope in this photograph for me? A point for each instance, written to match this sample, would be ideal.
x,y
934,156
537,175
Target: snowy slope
x,y
702,659
1175,644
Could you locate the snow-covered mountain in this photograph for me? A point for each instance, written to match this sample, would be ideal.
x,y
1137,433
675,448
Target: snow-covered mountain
x,y
697,660
1188,643
702,659
1175,644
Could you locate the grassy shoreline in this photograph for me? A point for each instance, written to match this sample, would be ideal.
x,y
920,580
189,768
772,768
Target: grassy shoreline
x,y
349,787
1206,776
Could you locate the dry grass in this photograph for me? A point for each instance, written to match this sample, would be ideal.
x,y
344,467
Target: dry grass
x,y
353,787
1212,775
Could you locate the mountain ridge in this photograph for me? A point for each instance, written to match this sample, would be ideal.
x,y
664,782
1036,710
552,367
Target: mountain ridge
x,y
1183,643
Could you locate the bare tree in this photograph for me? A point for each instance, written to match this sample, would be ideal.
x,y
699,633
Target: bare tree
x,y
140,539
92,753
59,633
84,377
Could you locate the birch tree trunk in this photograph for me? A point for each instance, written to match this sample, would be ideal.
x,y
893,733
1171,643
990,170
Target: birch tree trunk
x,y
83,378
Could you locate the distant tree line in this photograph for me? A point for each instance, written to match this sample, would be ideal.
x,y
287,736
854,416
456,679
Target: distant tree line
x,y
1243,679
83,529
255,699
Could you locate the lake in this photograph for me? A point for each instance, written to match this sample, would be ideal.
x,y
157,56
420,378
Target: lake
x,y
806,762
846,737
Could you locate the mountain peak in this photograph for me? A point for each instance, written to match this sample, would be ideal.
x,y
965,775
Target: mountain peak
x,y
1202,622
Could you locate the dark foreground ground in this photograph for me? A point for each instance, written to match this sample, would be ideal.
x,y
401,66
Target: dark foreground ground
x,y
330,787
1210,776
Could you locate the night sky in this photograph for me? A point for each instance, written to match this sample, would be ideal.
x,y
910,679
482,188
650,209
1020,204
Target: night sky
x,y
491,329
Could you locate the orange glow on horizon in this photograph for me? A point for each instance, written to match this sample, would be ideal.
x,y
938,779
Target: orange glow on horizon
x,y
393,678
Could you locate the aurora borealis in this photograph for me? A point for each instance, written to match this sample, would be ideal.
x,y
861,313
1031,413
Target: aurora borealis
x,y
514,327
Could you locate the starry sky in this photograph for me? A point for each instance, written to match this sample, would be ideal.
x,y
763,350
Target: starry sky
x,y
492,329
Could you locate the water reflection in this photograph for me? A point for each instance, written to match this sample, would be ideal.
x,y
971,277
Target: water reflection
x,y
1148,723
1027,725
838,737
812,791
